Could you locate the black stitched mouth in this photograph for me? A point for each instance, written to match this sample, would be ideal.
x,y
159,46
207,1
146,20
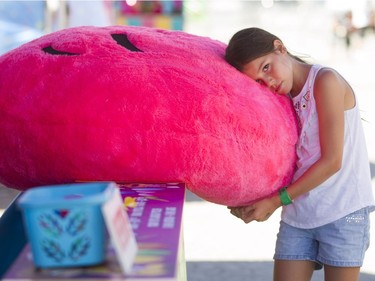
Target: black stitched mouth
x,y
122,39
52,51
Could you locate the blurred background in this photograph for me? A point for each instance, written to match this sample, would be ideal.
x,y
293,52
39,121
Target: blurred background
x,y
336,33
340,25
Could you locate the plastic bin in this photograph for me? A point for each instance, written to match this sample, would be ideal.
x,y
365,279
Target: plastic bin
x,y
64,223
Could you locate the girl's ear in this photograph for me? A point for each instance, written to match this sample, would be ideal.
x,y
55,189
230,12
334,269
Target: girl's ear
x,y
279,46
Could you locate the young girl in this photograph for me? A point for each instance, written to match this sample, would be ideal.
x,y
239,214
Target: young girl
x,y
325,216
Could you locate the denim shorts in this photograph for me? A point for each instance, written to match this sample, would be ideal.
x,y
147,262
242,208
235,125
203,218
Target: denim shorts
x,y
342,243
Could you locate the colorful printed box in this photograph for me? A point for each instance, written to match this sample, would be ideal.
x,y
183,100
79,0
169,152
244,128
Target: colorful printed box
x,y
155,214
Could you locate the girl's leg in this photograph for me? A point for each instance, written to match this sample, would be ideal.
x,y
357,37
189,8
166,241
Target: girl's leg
x,y
332,273
287,270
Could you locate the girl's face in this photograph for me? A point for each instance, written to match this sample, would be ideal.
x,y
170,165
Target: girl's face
x,y
273,70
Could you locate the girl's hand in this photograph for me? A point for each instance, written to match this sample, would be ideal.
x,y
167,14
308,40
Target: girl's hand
x,y
241,212
259,211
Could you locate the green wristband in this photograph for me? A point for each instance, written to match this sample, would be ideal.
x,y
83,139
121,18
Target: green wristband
x,y
284,197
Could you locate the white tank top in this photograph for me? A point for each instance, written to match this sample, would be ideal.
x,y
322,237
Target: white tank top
x,y
344,192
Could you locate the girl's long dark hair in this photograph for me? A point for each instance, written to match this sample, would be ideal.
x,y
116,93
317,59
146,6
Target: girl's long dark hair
x,y
249,44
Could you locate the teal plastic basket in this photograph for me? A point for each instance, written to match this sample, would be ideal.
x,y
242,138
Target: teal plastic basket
x,y
64,223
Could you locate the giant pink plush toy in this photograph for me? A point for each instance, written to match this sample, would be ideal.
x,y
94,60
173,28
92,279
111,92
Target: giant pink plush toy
x,y
138,104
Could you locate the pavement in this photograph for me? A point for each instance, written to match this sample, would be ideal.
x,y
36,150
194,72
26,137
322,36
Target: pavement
x,y
217,245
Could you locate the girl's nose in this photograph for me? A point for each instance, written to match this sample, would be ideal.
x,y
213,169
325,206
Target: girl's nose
x,y
270,82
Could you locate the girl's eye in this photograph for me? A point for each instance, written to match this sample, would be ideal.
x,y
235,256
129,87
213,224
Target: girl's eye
x,y
259,81
266,67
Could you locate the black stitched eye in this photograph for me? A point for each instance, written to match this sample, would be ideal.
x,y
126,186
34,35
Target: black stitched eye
x,y
53,51
122,39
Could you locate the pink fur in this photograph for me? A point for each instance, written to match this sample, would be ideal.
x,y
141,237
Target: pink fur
x,y
174,112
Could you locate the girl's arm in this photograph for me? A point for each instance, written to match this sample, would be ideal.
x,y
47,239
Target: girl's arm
x,y
330,90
